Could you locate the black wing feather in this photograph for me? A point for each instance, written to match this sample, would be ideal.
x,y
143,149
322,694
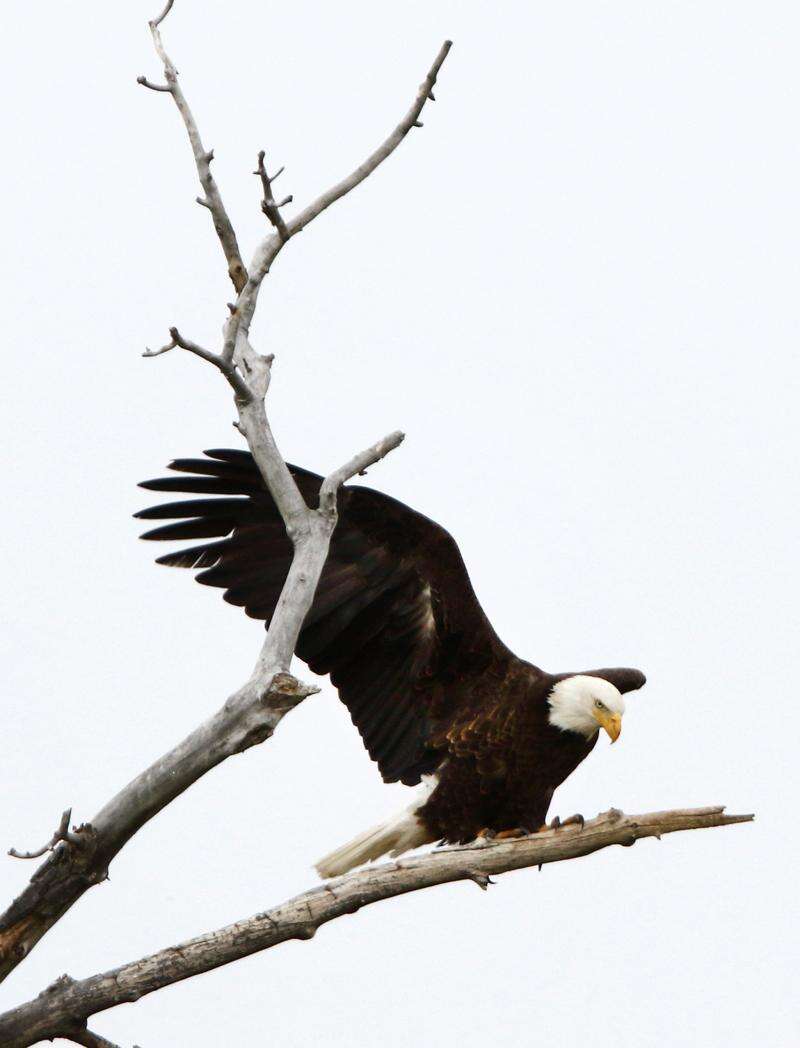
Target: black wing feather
x,y
394,616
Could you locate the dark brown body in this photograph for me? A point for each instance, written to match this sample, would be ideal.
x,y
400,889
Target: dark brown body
x,y
396,624
503,763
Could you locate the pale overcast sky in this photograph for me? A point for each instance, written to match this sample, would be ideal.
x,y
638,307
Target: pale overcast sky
x,y
575,289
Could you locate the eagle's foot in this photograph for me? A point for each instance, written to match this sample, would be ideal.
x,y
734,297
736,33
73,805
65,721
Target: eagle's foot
x,y
488,834
510,835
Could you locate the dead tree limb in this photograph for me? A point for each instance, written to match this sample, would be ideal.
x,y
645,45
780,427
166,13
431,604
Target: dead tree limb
x,y
80,858
84,1036
63,833
202,158
72,1002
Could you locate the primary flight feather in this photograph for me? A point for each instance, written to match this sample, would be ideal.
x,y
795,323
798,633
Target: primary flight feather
x,y
435,694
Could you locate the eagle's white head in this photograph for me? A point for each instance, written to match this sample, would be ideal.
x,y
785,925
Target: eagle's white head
x,y
584,704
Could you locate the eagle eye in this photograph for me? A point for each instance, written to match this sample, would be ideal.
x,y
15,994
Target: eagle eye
x,y
600,705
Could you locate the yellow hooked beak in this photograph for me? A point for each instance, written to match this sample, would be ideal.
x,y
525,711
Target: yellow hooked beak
x,y
609,722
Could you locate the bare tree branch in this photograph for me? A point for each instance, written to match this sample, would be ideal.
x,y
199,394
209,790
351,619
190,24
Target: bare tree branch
x,y
75,1030
240,387
251,714
158,87
157,21
385,149
202,157
300,918
357,466
248,718
268,204
84,1036
62,834
268,250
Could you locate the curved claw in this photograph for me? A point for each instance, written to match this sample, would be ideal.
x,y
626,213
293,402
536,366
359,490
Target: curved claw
x,y
574,820
557,824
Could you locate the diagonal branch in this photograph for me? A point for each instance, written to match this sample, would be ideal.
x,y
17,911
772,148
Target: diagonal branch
x,y
168,7
202,158
357,466
269,248
236,344
247,718
300,918
239,386
384,150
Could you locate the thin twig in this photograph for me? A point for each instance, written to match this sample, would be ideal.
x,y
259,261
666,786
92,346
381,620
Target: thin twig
x,y
302,916
384,150
240,387
157,21
268,205
153,87
202,157
356,466
62,834
268,250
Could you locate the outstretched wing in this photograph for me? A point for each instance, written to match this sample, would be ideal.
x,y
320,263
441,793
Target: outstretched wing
x,y
395,621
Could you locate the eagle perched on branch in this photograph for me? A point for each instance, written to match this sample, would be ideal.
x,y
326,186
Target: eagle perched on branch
x,y
435,694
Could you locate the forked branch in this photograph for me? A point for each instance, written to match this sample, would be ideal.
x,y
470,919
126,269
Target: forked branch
x,y
63,833
202,157
300,918
250,714
248,718
268,250
223,364
269,205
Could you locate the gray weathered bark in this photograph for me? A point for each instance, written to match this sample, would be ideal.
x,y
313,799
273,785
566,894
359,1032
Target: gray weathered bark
x,y
80,858
70,1003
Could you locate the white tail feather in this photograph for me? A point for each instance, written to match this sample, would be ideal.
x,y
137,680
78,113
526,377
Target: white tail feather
x,y
393,837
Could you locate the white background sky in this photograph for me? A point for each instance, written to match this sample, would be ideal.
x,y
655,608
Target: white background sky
x,y
575,289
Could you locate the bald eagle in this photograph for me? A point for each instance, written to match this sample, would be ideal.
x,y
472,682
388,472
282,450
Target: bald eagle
x,y
437,697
